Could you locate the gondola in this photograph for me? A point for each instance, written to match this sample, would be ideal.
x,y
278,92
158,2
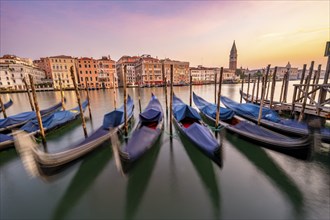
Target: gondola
x,y
190,124
14,121
270,119
49,122
7,104
112,123
147,132
298,147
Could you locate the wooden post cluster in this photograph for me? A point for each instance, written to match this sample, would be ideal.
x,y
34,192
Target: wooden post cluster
x,y
42,132
217,115
78,101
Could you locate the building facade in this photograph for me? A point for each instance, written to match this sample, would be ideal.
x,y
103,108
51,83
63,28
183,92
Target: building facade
x,y
60,70
107,76
44,64
87,72
203,75
13,69
181,71
148,70
281,71
131,76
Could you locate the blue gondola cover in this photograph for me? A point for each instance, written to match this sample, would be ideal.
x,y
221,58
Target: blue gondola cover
x,y
181,110
53,120
210,109
116,117
25,116
153,112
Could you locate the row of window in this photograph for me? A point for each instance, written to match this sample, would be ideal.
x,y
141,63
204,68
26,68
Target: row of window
x,y
59,60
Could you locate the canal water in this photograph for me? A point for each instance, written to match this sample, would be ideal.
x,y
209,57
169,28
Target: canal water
x,y
172,181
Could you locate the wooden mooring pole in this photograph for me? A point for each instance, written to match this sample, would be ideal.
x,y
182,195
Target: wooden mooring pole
x,y
268,85
301,81
78,101
282,89
286,88
171,102
324,90
190,97
88,99
3,108
61,90
166,104
263,91
253,89
273,88
114,91
125,101
215,86
315,81
139,93
29,94
257,95
41,128
248,87
302,112
242,86
217,115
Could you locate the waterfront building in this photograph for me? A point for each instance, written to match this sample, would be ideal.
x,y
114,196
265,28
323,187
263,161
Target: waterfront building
x,y
181,71
57,67
87,72
131,76
13,69
203,75
44,64
281,71
107,76
149,71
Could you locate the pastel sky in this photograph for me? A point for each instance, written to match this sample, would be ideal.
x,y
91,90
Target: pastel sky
x,y
201,32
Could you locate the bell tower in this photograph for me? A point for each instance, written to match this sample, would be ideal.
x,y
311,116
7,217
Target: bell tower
x,y
233,57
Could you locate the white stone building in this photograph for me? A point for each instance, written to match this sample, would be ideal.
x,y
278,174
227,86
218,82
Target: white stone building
x,y
13,69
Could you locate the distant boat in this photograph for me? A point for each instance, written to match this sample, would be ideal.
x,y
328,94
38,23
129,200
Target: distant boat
x,y
147,132
272,120
190,124
7,104
112,123
17,120
298,147
49,122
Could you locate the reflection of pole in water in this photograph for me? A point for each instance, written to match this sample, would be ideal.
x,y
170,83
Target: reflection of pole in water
x,y
205,170
82,181
266,164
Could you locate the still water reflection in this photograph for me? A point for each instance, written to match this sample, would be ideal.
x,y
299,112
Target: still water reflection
x,y
174,180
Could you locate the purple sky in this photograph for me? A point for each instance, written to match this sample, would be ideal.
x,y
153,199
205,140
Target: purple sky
x,y
201,32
